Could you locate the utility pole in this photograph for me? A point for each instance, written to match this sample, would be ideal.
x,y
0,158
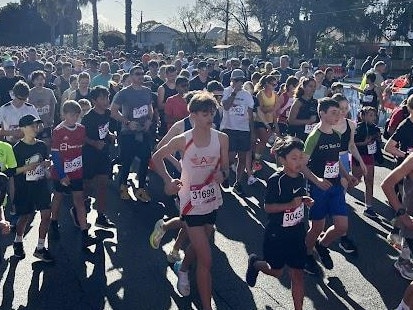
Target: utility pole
x,y
140,30
226,23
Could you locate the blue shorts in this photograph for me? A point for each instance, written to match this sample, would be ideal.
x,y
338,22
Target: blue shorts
x,y
345,160
330,202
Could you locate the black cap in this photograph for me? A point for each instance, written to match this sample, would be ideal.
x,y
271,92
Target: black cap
x,y
202,65
28,120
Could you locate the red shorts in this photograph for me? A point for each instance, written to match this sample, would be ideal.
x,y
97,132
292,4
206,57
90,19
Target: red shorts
x,y
367,159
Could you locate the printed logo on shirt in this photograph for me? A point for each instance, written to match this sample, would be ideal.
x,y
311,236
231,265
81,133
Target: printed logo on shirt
x,y
43,110
63,147
203,160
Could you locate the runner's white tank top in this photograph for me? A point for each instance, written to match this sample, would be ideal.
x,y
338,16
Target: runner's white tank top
x,y
200,194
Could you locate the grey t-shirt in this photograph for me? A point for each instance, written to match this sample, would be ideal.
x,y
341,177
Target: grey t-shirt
x,y
135,105
45,102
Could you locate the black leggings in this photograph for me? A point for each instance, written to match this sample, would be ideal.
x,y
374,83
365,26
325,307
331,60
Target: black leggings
x,y
129,148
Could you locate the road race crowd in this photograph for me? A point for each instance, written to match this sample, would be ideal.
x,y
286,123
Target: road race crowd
x,y
68,117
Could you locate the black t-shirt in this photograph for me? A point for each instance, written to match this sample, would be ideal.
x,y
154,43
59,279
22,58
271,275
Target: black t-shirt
x,y
97,128
328,83
26,154
307,110
323,149
197,84
282,188
403,136
157,81
363,130
6,85
285,73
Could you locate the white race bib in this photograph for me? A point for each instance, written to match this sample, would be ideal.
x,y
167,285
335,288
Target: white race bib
x,y
293,217
368,98
75,164
309,128
35,174
103,131
372,148
43,110
140,112
202,194
331,170
238,110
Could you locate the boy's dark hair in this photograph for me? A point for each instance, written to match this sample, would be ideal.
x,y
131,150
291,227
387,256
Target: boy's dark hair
x,y
214,86
284,145
325,103
181,80
38,73
153,63
21,89
72,78
202,102
84,75
367,109
71,106
98,91
371,76
339,97
170,69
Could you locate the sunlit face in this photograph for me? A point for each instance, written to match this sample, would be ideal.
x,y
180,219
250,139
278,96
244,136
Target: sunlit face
x,y
39,81
331,116
182,88
310,88
102,102
84,83
31,131
370,117
218,95
293,161
203,119
344,108
137,76
319,78
71,118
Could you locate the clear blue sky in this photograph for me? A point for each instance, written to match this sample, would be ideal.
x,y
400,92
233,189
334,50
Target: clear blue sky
x,y
111,12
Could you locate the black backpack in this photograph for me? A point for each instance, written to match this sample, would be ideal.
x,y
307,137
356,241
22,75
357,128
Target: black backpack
x,y
406,114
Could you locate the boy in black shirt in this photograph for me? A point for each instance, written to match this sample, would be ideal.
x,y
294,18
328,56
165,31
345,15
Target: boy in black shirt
x,y
96,155
284,241
31,189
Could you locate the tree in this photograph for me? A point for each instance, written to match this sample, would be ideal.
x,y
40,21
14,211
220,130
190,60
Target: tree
x,y
51,12
95,36
128,25
196,24
112,38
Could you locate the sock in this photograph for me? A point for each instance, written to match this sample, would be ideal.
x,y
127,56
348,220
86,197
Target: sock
x,y
18,238
40,244
405,253
403,306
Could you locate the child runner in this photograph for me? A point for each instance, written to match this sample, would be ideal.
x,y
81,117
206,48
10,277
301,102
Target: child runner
x,y
204,167
284,241
31,189
68,139
324,169
367,139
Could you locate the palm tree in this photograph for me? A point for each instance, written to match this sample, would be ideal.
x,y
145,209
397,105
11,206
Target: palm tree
x,y
128,25
95,37
51,13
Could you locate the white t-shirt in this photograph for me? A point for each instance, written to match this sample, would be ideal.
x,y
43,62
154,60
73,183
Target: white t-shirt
x,y
237,117
10,116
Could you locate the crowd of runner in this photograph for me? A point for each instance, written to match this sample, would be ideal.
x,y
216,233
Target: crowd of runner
x,y
68,117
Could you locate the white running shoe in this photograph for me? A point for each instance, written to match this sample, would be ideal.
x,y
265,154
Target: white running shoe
x,y
405,268
183,285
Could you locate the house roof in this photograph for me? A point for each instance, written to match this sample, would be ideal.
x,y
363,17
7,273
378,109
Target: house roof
x,y
158,28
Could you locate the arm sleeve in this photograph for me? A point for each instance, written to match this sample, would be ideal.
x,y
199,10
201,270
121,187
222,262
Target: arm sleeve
x,y
311,142
273,190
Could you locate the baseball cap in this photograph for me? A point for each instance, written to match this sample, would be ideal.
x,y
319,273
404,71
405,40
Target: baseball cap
x,y
28,120
237,74
202,65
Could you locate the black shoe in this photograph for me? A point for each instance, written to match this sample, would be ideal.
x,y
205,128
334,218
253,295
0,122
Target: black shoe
x,y
237,189
54,232
44,255
311,266
324,254
19,250
225,184
88,204
88,240
73,214
102,221
347,245
370,213
252,272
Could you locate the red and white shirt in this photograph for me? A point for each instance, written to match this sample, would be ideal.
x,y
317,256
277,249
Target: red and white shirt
x,y
69,142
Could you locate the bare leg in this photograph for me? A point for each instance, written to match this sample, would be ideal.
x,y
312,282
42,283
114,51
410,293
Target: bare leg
x,y
316,227
55,206
80,209
297,287
44,223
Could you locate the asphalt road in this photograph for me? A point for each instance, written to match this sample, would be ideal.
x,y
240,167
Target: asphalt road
x,y
124,272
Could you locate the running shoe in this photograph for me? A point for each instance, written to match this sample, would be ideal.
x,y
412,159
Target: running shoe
x,y
395,240
405,268
88,240
370,213
19,250
183,285
173,257
44,255
157,234
142,195
237,189
73,214
347,245
103,221
311,266
252,272
324,254
124,193
251,180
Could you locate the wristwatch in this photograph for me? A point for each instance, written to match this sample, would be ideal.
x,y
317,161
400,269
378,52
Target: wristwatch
x,y
400,212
